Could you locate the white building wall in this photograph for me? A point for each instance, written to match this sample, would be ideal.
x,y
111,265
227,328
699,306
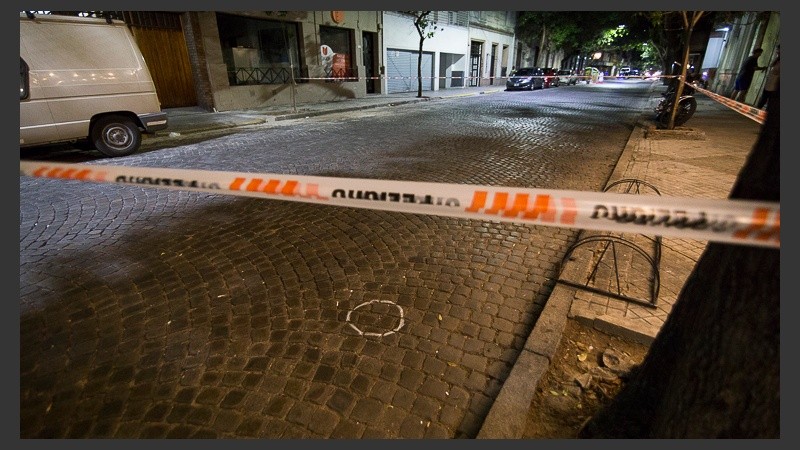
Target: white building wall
x,y
449,45
494,28
489,38
745,34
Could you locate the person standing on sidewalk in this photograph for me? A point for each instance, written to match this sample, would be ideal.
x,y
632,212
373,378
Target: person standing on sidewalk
x,y
773,77
745,76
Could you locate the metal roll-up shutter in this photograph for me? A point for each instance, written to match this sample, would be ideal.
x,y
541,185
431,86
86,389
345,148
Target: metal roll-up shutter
x,y
401,71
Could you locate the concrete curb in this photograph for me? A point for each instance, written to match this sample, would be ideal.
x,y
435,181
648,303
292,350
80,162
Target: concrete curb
x,y
340,110
625,329
201,127
378,105
192,122
508,415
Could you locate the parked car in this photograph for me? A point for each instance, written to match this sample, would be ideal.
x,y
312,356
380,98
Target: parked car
x,y
567,77
525,78
550,77
628,72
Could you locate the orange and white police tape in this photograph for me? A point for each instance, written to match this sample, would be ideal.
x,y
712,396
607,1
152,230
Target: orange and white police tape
x,y
732,221
759,115
756,114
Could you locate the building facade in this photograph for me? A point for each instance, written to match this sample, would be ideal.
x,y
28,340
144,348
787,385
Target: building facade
x,y
730,45
467,48
253,59
230,60
444,55
491,41
248,60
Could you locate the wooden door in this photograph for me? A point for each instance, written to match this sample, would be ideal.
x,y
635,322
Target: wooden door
x,y
167,58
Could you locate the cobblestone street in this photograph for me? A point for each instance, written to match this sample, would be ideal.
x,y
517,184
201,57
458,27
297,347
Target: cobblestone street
x,y
152,313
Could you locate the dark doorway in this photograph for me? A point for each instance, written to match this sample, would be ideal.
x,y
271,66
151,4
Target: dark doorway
x,y
370,67
492,63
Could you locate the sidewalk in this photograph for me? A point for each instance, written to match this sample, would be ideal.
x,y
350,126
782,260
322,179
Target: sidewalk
x,y
195,119
700,160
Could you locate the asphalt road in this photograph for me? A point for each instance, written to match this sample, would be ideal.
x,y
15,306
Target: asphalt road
x,y
151,313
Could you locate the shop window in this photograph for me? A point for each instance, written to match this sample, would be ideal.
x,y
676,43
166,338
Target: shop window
x,y
336,51
258,51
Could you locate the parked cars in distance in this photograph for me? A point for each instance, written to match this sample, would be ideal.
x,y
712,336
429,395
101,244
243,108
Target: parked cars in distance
x,y
550,77
628,72
525,78
566,77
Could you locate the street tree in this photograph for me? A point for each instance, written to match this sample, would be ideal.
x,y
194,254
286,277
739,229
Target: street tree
x,y
534,26
426,28
580,32
690,20
640,39
650,38
565,30
713,371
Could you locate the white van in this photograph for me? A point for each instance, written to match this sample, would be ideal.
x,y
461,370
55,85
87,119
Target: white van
x,y
84,79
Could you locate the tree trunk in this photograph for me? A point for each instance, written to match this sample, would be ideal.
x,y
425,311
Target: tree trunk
x,y
419,68
673,42
542,43
687,39
714,369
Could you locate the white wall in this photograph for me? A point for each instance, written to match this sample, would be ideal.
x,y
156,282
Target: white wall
x,y
489,38
399,33
746,33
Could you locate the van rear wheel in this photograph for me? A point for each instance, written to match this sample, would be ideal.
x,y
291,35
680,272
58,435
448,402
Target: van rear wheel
x,y
116,136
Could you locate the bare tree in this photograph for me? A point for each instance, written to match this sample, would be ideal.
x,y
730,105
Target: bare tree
x,y
714,369
425,29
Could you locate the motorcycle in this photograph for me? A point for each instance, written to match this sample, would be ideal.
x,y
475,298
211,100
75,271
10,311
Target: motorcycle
x,y
687,104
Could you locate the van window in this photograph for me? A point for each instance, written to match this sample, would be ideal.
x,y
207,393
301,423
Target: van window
x,y
24,88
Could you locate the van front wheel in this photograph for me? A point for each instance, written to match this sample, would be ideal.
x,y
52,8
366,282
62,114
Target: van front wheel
x,y
116,136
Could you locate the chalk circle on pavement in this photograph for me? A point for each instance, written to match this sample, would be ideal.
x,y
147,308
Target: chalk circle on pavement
x,y
382,313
